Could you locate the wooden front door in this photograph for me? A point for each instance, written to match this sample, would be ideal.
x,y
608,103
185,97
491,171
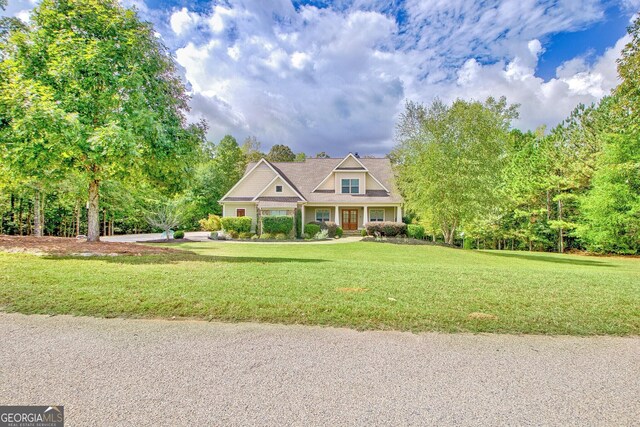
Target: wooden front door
x,y
349,219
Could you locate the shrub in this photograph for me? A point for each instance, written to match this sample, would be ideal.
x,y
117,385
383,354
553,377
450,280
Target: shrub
x,y
277,224
306,236
321,235
281,236
363,232
339,232
178,234
238,224
211,223
255,237
245,235
311,229
416,231
299,225
386,228
330,226
233,234
265,236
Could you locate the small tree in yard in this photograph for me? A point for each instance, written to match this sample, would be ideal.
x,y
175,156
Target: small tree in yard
x,y
165,217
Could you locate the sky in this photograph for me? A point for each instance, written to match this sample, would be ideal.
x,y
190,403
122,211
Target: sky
x,y
333,76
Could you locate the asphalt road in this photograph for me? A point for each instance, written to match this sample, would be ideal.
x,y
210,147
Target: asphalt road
x,y
145,372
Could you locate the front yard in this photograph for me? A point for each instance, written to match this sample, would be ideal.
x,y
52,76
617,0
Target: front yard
x,y
364,285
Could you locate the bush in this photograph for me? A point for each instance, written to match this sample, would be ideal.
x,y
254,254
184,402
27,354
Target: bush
x,y
245,235
415,231
386,228
281,236
299,225
178,234
306,236
311,229
255,237
277,224
240,224
363,232
212,223
339,231
330,226
321,235
233,234
265,236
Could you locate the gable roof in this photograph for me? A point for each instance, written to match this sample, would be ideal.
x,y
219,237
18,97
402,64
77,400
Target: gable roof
x,y
305,176
250,168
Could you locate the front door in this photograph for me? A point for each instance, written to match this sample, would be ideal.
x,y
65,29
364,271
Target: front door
x,y
349,219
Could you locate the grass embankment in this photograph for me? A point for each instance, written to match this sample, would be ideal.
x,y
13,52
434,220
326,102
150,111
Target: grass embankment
x,y
358,285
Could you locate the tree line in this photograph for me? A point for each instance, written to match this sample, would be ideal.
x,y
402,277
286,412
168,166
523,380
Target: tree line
x,y
472,179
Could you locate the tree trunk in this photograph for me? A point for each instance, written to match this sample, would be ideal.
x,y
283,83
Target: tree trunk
x,y
548,206
561,229
93,217
78,208
37,222
104,222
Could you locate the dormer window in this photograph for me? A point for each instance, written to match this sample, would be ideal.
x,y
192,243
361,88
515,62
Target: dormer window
x,y
350,186
278,188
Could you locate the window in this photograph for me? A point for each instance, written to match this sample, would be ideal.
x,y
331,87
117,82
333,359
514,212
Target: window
x,y
278,188
273,212
350,186
376,215
322,215
241,212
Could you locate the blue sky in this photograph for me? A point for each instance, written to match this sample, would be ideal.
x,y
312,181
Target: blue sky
x,y
333,76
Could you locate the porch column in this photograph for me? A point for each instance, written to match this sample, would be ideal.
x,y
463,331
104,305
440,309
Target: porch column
x,y
302,215
366,216
338,217
399,213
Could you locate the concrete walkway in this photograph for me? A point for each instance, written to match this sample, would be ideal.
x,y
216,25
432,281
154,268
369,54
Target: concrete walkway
x,y
144,372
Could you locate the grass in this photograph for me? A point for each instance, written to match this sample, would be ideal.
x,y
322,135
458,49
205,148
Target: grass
x,y
364,285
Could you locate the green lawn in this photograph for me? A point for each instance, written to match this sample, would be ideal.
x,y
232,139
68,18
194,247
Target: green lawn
x,y
364,285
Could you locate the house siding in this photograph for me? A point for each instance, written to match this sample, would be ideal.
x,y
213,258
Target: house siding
x,y
250,211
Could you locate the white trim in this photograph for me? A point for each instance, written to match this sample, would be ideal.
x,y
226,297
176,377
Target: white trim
x,y
379,183
384,213
350,179
283,180
353,157
315,213
243,178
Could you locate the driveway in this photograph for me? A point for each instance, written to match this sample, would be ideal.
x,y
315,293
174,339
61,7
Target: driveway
x,y
151,372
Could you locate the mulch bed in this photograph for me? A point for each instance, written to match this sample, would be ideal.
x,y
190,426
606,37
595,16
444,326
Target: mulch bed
x,y
71,246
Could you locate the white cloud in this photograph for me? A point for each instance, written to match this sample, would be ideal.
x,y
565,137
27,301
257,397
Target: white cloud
x,y
334,79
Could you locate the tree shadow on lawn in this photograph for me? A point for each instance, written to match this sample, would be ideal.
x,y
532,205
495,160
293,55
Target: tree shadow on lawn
x,y
557,259
175,258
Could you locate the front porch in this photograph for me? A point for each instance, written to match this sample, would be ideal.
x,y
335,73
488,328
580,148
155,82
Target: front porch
x,y
351,217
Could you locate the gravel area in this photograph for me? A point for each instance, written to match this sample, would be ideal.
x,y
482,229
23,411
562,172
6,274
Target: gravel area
x,y
121,372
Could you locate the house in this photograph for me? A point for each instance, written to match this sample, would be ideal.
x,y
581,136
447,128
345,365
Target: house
x,y
349,191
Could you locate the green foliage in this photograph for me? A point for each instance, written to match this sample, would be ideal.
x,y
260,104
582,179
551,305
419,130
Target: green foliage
x,y
178,234
281,236
281,153
415,231
277,224
330,226
449,159
211,223
363,232
322,235
386,228
339,232
299,224
245,235
311,229
236,224
266,236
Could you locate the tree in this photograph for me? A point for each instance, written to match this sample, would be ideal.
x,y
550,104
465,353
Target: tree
x,y
322,155
251,149
105,68
300,157
449,159
166,217
611,209
281,153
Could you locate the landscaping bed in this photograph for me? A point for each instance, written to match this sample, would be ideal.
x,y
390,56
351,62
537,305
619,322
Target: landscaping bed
x,y
407,241
72,246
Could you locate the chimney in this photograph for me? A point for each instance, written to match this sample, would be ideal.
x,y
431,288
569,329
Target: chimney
x,y
357,156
